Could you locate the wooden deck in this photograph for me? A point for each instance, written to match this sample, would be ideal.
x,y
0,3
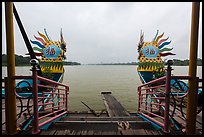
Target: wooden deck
x,y
87,124
117,121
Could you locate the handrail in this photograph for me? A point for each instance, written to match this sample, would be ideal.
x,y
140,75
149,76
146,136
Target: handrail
x,y
149,99
50,81
52,95
52,87
161,79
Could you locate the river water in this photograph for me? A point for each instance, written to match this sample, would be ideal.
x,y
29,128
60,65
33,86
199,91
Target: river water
x,y
87,81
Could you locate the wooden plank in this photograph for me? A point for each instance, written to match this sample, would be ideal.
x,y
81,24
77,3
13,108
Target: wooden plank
x,y
60,132
83,132
97,132
78,132
116,118
113,107
108,133
72,132
52,132
127,132
139,132
44,132
148,132
90,132
81,128
156,132
48,132
68,132
118,132
152,132
65,132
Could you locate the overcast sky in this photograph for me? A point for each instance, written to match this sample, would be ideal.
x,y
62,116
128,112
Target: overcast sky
x,y
105,32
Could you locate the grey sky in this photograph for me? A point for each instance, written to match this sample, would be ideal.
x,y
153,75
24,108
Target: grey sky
x,y
105,32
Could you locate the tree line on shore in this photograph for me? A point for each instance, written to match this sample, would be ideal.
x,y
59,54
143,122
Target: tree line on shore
x,y
176,62
25,61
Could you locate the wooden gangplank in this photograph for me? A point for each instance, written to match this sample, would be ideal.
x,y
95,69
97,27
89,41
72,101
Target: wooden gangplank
x,y
113,107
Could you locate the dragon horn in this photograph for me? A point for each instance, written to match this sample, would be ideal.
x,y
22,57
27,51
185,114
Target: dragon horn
x,y
141,36
155,36
47,35
141,33
61,38
141,41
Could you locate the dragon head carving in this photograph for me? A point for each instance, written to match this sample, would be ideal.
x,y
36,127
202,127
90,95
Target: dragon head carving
x,y
52,53
150,53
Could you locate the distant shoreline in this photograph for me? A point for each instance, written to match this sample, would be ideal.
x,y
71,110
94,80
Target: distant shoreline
x,y
24,61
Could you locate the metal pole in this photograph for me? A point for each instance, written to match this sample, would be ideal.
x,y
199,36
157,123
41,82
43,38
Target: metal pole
x,y
66,101
168,90
11,116
192,95
35,98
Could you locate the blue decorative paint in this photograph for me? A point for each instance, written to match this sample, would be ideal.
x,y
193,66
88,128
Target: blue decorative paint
x,y
37,43
164,44
51,52
150,51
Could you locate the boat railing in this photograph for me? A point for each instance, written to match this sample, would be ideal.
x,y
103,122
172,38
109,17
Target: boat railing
x,y
40,103
157,99
151,101
53,102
